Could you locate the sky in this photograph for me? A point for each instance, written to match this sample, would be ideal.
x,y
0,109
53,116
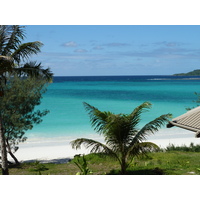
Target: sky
x,y
92,50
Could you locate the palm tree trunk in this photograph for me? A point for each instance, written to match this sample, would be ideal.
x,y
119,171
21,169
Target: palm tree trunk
x,y
123,168
123,164
4,160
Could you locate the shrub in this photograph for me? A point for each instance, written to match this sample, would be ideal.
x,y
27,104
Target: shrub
x,y
190,148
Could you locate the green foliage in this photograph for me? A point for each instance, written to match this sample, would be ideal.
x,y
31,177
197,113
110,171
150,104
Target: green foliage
x,y
190,148
38,167
81,163
195,72
13,57
156,163
35,70
17,107
11,38
123,140
13,52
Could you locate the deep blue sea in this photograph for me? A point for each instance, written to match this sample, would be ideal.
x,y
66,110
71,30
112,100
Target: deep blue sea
x,y
118,94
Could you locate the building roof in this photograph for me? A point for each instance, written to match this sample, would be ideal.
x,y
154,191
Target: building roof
x,y
190,121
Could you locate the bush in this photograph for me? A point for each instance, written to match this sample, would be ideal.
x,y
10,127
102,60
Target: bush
x,y
190,148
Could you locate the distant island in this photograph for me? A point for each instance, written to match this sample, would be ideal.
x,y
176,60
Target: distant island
x,y
196,72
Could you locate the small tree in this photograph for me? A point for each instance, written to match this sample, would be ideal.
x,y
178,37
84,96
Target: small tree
x,y
123,139
18,109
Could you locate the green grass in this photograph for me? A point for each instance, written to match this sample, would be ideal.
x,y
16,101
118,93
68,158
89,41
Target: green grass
x,y
168,163
158,163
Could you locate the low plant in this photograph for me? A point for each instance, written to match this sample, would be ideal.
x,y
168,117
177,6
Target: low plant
x,y
38,167
81,163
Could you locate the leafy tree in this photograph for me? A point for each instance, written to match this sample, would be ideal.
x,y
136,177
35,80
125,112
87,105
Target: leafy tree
x,y
123,139
18,109
13,59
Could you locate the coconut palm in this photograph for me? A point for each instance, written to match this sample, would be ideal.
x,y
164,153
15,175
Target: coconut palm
x,y
13,52
123,139
14,57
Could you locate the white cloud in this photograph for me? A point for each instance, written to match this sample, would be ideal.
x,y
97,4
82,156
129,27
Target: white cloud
x,y
169,44
80,51
116,44
98,48
70,44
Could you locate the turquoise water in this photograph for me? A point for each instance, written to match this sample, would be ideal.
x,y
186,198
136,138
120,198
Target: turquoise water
x,y
118,94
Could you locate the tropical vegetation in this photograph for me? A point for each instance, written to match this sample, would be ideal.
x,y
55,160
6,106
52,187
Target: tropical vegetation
x,y
18,111
14,58
154,163
125,149
123,139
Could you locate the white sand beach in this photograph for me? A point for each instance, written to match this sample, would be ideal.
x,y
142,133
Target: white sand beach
x,y
59,150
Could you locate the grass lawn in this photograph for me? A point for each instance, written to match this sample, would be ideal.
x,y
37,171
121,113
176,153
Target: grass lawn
x,y
159,163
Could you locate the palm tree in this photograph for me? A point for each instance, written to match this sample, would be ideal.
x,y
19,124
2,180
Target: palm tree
x,y
13,59
13,52
123,139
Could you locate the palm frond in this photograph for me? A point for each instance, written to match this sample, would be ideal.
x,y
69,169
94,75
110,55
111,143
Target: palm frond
x,y
25,50
98,119
96,147
151,128
147,147
157,123
122,127
3,30
14,34
141,108
142,148
33,69
135,115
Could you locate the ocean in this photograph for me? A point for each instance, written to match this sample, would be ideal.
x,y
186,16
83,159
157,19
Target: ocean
x,y
118,94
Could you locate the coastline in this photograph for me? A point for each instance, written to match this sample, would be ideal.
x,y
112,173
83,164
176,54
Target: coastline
x,y
69,120
51,150
59,150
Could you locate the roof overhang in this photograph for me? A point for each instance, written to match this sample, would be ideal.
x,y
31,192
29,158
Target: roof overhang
x,y
189,121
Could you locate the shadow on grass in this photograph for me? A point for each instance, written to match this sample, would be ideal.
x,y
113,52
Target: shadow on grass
x,y
13,165
155,171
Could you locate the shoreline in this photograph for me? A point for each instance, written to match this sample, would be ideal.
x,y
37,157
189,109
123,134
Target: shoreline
x,y
59,150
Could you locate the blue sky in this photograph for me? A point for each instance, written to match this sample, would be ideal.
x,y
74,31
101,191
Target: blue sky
x,y
75,50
